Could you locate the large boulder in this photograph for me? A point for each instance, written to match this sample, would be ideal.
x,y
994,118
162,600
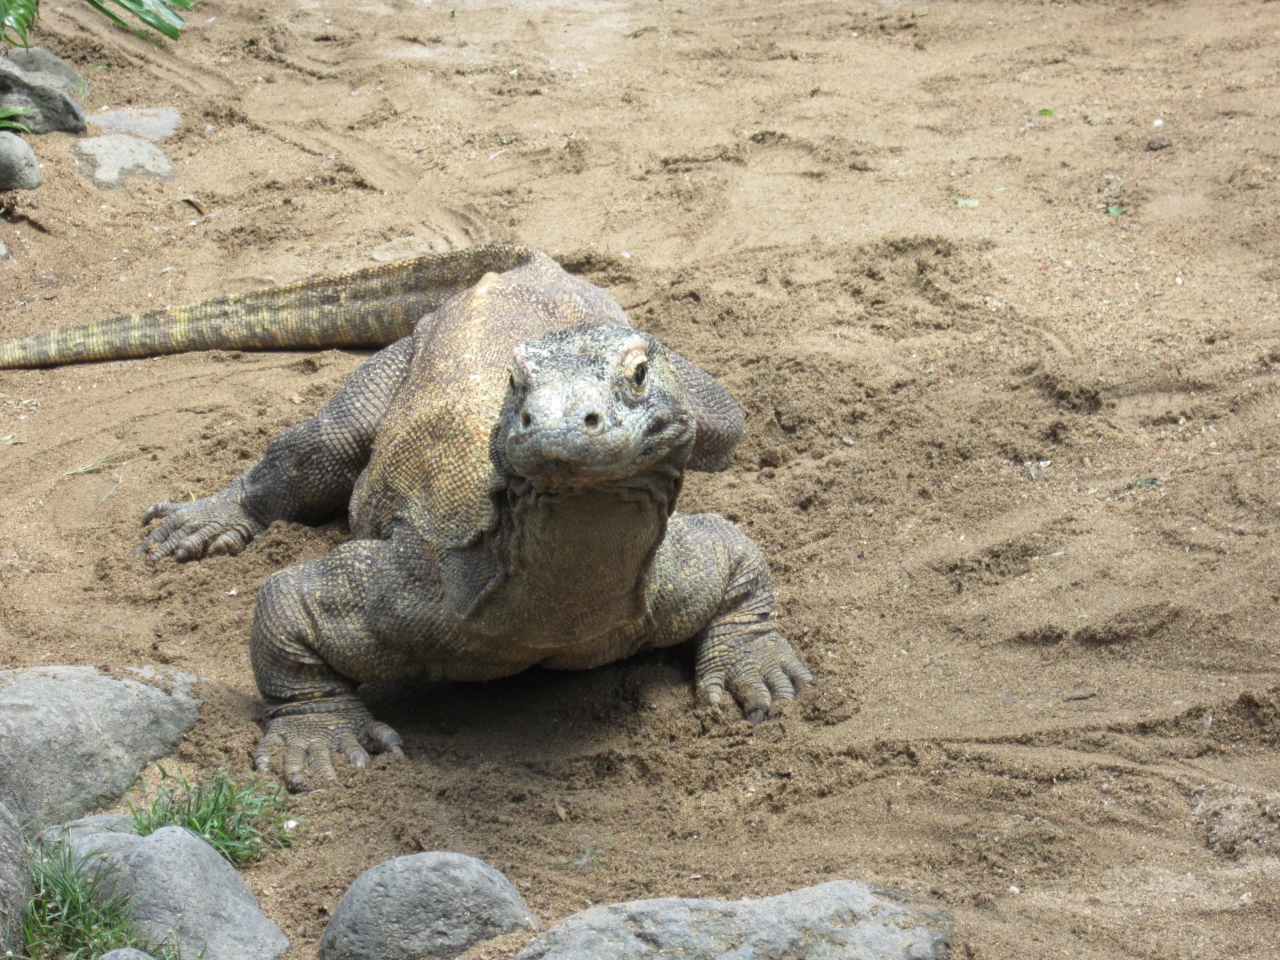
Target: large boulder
x,y
150,123
19,168
840,920
43,69
179,889
111,158
72,739
423,905
54,110
15,883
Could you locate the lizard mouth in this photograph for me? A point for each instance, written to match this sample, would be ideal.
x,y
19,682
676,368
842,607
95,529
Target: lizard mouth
x,y
563,458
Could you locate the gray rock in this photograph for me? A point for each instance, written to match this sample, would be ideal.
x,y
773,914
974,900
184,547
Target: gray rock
x,y
4,251
428,904
179,887
117,155
125,953
15,882
151,123
840,920
72,739
55,111
19,168
42,68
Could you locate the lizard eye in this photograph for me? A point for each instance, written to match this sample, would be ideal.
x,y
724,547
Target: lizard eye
x,y
640,373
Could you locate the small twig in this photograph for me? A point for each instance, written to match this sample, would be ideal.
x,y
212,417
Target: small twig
x,y
119,480
103,460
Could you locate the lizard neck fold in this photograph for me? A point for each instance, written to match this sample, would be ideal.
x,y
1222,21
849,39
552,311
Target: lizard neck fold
x,y
567,568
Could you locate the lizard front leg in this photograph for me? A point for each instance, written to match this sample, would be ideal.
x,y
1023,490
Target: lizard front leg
x,y
712,583
367,611
307,473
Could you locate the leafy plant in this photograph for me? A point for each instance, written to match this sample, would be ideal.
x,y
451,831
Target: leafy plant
x,y
18,16
71,916
236,819
8,113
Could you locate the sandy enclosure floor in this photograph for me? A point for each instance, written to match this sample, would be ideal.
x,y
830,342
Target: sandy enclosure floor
x,y
1014,464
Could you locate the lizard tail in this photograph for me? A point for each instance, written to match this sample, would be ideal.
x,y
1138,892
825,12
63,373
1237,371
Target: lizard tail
x,y
370,308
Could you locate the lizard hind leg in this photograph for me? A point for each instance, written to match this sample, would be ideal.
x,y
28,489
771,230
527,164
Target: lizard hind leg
x,y
320,628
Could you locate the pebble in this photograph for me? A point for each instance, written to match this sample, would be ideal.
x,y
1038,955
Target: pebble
x,y
72,739
125,953
15,882
19,168
151,123
179,889
112,157
433,904
840,920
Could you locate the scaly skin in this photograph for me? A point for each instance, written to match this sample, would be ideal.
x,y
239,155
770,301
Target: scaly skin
x,y
511,471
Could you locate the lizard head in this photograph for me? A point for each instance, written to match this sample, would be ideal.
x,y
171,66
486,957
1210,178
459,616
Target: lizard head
x,y
593,407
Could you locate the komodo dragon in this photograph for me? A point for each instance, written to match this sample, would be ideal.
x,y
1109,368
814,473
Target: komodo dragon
x,y
510,464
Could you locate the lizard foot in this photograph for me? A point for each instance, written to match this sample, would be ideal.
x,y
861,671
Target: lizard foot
x,y
200,528
318,729
758,669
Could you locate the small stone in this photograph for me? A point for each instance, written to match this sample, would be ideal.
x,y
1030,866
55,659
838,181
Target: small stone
x,y
19,168
179,889
125,953
1079,695
73,740
840,920
151,123
1159,143
15,883
427,904
55,111
117,155
4,251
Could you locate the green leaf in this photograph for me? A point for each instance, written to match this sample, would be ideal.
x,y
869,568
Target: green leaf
x,y
1044,112
966,202
16,18
7,113
156,14
1115,209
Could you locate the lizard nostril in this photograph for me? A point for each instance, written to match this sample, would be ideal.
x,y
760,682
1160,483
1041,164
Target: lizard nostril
x,y
592,420
526,420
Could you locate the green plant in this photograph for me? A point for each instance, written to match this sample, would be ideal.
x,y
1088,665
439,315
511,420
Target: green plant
x,y
71,916
18,16
8,113
236,819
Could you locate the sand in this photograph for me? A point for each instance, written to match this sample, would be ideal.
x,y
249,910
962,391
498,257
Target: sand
x,y
1011,451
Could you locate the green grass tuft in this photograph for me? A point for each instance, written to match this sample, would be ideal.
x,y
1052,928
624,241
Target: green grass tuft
x,y
237,819
70,916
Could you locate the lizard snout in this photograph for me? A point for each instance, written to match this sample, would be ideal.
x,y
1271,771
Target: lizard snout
x,y
567,432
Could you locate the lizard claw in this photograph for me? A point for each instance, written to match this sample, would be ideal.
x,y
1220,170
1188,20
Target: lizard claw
x,y
310,740
199,528
760,671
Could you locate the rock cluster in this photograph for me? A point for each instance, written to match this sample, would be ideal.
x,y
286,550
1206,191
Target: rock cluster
x,y
76,739
43,85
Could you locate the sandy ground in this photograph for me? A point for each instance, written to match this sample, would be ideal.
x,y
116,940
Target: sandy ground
x,y
1014,462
